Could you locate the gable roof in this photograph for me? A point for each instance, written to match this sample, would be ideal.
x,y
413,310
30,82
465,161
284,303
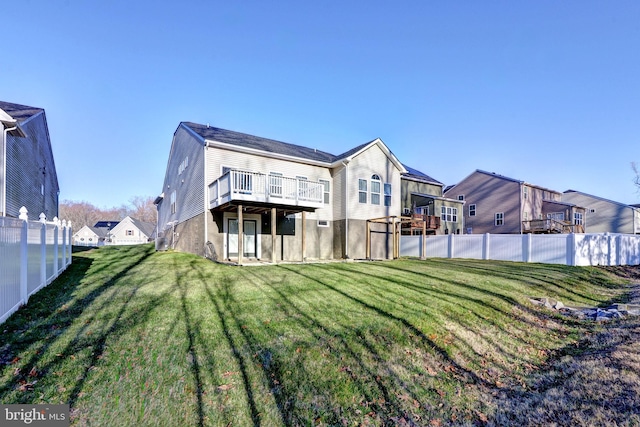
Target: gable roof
x,y
250,142
420,176
258,143
100,232
19,112
598,198
506,178
147,228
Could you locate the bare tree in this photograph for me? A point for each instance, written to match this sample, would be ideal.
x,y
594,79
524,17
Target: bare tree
x,y
636,170
143,209
79,213
84,213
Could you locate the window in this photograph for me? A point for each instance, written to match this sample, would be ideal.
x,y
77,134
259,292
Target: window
x,y
499,218
323,223
461,197
326,194
448,214
375,189
183,165
525,191
558,216
275,184
525,216
173,202
129,232
472,210
362,190
577,218
387,194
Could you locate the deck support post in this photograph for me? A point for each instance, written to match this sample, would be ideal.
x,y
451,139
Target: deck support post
x,y
240,235
273,236
304,236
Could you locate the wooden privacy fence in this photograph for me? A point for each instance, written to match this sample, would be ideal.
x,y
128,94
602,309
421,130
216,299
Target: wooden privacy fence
x,y
32,255
568,249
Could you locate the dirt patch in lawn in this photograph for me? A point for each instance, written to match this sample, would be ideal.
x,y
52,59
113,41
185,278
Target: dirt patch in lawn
x,y
593,382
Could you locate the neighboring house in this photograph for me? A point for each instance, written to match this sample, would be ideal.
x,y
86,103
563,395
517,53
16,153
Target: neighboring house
x,y
229,195
605,216
27,171
131,231
500,205
89,236
423,195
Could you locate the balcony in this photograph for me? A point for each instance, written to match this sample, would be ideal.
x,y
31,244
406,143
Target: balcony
x,y
550,226
255,187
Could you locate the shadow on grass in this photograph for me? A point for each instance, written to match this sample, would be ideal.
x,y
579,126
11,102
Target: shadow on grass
x,y
57,308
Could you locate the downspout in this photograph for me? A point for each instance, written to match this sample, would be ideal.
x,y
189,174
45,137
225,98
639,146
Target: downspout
x,y
521,206
4,168
206,200
346,208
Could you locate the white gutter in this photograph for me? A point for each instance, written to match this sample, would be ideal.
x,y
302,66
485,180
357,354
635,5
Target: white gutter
x,y
346,208
206,200
4,168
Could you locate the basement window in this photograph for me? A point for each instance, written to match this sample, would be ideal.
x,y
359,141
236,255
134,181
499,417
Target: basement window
x,y
323,223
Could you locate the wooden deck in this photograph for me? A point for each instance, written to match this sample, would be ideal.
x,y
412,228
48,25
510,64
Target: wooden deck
x,y
414,224
550,226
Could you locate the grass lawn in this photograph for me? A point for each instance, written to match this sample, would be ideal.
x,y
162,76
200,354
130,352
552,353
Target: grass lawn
x,y
131,337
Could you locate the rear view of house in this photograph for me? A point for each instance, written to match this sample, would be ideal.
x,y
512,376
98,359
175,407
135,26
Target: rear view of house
x,y
27,171
229,195
501,205
606,216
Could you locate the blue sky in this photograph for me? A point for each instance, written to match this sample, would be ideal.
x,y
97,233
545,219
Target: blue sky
x,y
543,91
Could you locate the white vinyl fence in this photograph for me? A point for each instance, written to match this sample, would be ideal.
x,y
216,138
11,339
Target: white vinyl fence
x,y
567,249
32,255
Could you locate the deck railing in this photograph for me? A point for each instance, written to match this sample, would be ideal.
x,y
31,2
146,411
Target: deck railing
x,y
550,226
267,188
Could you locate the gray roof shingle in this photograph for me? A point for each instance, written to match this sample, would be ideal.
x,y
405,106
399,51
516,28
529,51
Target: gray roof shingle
x,y
258,143
19,112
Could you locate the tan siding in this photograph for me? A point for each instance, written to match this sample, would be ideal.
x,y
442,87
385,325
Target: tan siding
x,y
608,217
337,197
490,194
218,157
363,166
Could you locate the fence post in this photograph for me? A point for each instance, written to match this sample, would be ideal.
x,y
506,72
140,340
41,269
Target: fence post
x,y
527,247
24,255
486,246
69,239
451,246
43,250
63,227
571,249
56,231
619,260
